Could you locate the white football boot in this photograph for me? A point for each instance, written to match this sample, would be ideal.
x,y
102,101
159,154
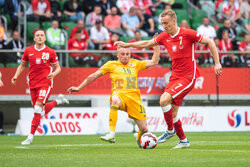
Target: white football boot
x,y
61,99
165,136
109,138
182,144
28,141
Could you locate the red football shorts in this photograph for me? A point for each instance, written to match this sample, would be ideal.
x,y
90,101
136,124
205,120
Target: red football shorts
x,y
179,88
40,94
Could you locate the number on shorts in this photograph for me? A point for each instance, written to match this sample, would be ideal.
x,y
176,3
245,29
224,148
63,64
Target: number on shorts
x,y
142,109
42,93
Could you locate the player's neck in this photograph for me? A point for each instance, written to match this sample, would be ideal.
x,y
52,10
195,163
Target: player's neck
x,y
39,46
175,31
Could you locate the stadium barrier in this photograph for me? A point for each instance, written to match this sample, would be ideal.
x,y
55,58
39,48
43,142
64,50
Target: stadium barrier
x,y
94,120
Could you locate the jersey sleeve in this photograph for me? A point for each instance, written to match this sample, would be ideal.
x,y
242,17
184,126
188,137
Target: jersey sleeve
x,y
106,68
54,58
159,40
25,56
194,36
140,65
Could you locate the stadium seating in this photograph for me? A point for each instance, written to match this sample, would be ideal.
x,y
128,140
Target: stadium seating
x,y
1,65
181,15
183,2
31,26
72,62
68,26
46,25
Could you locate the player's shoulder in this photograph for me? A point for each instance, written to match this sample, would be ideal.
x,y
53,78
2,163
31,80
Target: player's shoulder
x,y
133,62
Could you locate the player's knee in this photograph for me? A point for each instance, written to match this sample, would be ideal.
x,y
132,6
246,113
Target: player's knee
x,y
165,99
174,114
38,109
116,101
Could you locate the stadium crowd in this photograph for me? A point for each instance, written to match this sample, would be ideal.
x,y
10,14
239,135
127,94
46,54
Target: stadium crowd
x,y
97,24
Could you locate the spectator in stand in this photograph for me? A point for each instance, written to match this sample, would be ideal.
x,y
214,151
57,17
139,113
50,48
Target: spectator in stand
x,y
232,10
184,24
106,6
227,60
245,9
125,5
55,37
93,16
113,22
42,11
139,56
99,35
244,45
55,10
145,13
11,8
231,31
14,44
88,6
85,35
72,9
3,36
206,30
110,46
131,23
217,41
77,43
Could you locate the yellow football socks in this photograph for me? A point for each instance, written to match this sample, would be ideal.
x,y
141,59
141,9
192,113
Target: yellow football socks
x,y
138,137
113,117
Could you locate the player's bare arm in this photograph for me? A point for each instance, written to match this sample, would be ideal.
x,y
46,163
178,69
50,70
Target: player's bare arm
x,y
19,70
91,78
140,44
56,72
1,82
155,59
211,44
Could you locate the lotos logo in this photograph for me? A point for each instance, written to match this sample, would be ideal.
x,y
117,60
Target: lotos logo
x,y
42,129
234,119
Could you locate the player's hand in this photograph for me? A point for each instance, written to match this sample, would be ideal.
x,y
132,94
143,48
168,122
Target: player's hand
x,y
218,69
51,76
73,89
122,44
1,83
156,35
13,80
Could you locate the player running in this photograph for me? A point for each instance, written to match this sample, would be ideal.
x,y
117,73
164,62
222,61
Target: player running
x,y
40,58
125,94
180,44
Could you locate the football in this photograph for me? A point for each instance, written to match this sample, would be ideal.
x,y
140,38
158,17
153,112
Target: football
x,y
148,141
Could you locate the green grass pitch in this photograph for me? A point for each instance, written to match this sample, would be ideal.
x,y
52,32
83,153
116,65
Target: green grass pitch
x,y
207,149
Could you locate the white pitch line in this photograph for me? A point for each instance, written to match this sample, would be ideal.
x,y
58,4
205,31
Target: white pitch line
x,y
232,151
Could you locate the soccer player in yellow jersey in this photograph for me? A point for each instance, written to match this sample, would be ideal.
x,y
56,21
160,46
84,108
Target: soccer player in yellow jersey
x,y
125,94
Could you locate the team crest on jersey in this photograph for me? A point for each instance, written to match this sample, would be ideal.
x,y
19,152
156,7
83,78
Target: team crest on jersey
x,y
131,65
38,61
174,47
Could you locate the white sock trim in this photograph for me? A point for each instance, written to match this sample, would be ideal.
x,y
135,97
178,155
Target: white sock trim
x,y
112,134
175,119
166,108
184,140
30,136
38,109
58,101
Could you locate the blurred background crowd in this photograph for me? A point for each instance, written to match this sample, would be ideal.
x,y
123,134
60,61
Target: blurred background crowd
x,y
97,24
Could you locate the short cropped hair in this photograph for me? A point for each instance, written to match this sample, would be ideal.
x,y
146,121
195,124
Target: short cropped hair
x,y
170,13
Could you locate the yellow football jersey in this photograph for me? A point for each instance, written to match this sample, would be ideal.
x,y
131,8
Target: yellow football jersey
x,y
123,77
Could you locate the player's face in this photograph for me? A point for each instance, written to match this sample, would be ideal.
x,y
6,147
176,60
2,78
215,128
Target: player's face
x,y
39,37
168,24
124,55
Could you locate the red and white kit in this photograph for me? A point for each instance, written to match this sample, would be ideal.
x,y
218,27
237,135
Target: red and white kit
x,y
181,49
40,61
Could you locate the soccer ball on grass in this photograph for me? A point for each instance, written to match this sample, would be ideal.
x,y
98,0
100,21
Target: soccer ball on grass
x,y
148,141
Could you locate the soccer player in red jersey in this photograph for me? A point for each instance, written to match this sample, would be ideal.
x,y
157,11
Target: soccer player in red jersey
x,y
180,44
41,74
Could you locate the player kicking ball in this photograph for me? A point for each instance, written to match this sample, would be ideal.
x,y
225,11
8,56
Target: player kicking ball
x,y
40,58
125,94
180,44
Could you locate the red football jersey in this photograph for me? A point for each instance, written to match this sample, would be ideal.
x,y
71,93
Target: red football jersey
x,y
40,61
181,49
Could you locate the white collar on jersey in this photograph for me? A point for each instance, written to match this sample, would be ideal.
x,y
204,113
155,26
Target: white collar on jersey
x,y
39,49
178,30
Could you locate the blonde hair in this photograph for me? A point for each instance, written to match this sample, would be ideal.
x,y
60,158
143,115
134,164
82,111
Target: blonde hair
x,y
170,13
